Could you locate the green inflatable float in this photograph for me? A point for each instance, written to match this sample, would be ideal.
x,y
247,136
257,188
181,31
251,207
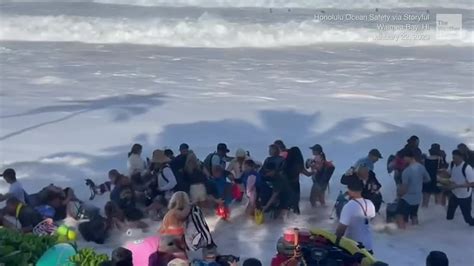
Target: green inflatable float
x,y
58,255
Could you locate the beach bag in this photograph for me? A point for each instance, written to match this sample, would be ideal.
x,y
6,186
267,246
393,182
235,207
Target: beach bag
x,y
45,228
236,192
259,217
197,233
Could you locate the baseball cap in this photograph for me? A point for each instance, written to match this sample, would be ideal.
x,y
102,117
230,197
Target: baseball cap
x,y
317,147
222,147
376,153
183,146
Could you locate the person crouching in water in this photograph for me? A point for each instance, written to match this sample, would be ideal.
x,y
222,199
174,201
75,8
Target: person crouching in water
x,y
251,179
281,199
174,222
162,185
123,195
116,219
371,186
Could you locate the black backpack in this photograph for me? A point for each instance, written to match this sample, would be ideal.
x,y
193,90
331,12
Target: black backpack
x,y
208,162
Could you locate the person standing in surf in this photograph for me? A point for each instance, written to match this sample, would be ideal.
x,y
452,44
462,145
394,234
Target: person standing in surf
x,y
293,167
137,168
462,183
370,160
410,190
355,218
274,158
433,164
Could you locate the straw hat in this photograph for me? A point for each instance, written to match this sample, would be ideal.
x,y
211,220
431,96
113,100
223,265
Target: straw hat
x,y
159,157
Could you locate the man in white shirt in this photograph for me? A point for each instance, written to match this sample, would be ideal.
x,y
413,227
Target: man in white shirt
x,y
462,183
355,218
16,189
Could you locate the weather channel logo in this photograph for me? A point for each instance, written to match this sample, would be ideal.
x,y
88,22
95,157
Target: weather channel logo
x,y
448,26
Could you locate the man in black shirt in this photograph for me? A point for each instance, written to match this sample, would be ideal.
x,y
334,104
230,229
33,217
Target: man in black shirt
x,y
281,198
177,165
371,186
274,159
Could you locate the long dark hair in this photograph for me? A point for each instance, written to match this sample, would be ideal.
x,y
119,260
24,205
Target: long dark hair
x,y
136,149
294,163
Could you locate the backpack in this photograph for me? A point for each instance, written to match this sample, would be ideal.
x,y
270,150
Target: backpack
x,y
160,174
197,233
329,170
208,162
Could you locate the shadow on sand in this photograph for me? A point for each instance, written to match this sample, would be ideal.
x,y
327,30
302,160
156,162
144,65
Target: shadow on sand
x,y
124,107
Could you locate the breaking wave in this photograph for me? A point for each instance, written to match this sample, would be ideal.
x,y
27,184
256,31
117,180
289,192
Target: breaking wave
x,y
206,31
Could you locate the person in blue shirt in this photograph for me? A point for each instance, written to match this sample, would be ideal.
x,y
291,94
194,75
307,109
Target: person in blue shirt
x,y
370,160
218,186
410,190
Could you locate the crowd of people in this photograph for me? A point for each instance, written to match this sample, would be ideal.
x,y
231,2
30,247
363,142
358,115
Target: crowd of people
x,y
170,188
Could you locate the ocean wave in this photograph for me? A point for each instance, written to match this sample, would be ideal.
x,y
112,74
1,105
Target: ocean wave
x,y
206,31
344,4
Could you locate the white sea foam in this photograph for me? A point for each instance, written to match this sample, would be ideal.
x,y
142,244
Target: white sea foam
x,y
206,31
50,80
